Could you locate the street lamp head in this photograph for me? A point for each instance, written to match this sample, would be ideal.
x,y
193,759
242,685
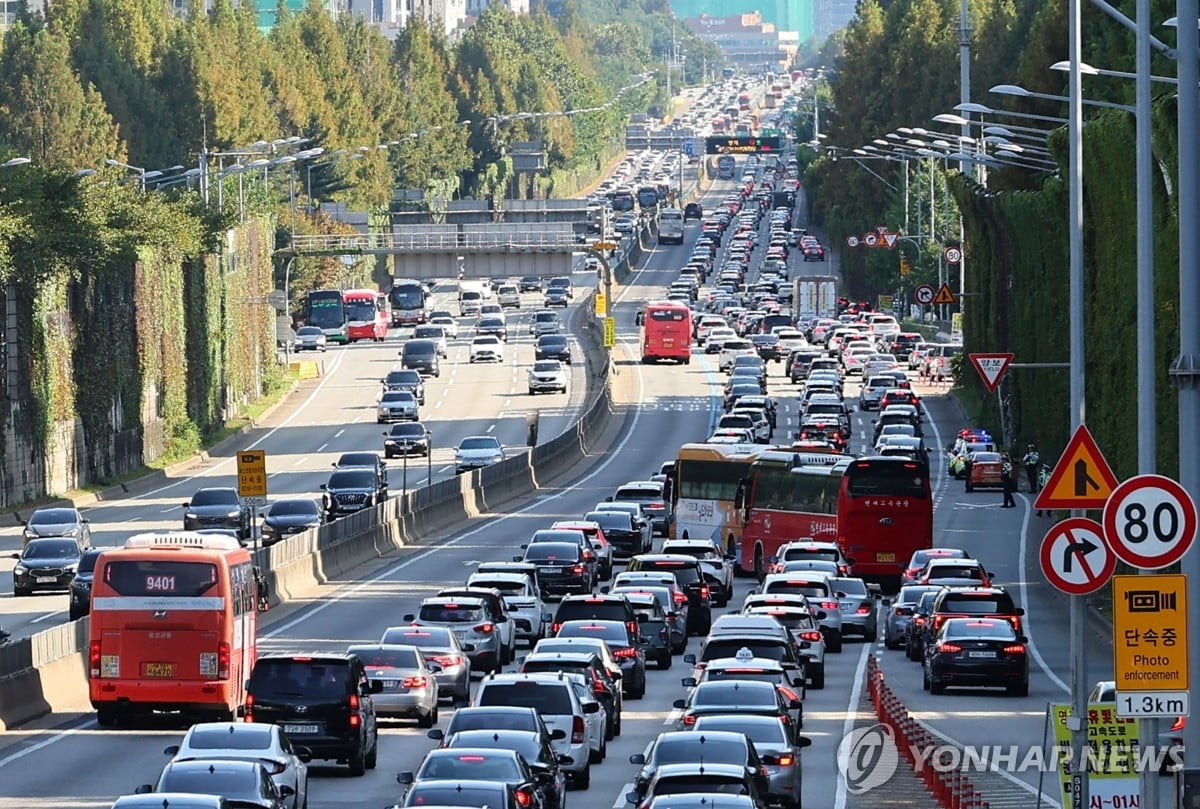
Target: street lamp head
x,y
1009,90
971,106
914,142
1084,68
998,130
111,162
880,142
150,175
16,161
904,130
953,120
80,173
862,152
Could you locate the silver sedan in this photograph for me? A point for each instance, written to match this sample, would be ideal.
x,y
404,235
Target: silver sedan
x,y
858,605
409,686
900,613
780,755
242,741
442,652
396,405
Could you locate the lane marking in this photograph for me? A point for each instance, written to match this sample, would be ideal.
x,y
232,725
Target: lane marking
x,y
322,447
338,434
39,619
620,801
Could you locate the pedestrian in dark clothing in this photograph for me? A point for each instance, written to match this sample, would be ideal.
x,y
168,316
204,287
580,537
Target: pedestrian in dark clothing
x,y
1009,477
1031,461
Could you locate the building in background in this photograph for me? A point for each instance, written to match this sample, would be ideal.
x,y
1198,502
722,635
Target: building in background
x,y
830,15
784,15
753,45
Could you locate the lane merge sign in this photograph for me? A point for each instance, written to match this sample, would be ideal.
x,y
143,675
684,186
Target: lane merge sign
x,y
1075,558
1150,521
1082,477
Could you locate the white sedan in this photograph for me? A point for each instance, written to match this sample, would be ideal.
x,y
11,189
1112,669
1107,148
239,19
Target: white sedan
x,y
448,322
487,348
243,741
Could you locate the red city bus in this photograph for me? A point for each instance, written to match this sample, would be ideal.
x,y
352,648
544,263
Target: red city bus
x,y
367,316
787,496
885,513
173,627
667,332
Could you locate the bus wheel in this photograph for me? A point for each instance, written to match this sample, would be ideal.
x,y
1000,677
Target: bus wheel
x,y
760,572
106,716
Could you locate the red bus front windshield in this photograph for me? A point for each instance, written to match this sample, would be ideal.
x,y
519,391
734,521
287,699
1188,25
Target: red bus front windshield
x,y
667,334
885,513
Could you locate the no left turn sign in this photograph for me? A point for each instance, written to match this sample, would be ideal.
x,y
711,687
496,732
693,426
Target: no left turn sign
x,y
924,294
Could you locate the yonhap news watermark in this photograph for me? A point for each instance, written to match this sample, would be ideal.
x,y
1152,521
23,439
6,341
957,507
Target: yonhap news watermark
x,y
869,756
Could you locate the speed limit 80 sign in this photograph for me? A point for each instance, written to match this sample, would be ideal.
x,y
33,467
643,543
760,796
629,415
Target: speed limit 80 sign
x,y
1150,521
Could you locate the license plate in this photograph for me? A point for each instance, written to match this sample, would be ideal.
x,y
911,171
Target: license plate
x,y
885,557
160,669
552,570
983,655
846,605
301,729
47,579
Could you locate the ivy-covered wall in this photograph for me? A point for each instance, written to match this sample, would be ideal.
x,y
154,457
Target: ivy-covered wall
x,y
1017,259
110,370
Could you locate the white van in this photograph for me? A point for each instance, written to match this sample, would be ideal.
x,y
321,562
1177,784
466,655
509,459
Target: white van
x,y
670,226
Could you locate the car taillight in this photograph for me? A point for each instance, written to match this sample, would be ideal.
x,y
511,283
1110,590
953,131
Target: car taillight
x,y
627,651
1015,649
577,730
275,767
524,797
912,572
598,687
812,636
689,720
949,647
704,591
554,627
248,709
420,681
785,761
680,598
863,610
94,658
919,620
354,718
938,620
632,626
1180,723
789,693
829,605
223,653
446,661
578,570
656,505
485,628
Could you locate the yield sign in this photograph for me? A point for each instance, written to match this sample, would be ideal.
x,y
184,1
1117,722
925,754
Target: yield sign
x,y
890,238
1082,477
1075,558
991,368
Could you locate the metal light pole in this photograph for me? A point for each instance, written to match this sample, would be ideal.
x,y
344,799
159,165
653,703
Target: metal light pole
x,y
1077,721
964,67
1186,370
428,458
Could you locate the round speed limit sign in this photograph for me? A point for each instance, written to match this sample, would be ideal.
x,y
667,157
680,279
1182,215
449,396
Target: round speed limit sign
x,y
1150,521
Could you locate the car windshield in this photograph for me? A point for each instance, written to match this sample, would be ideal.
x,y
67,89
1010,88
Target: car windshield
x,y
766,648
976,605
552,535
410,430
287,677
215,497
911,595
507,586
612,632
231,737
473,765
398,396
551,551
52,516
954,572
294,508
545,698
425,637
479,443
429,331
456,795
734,692
403,377
352,479
51,549
719,784
309,331
229,782
451,613
546,367
393,658
968,628
87,564
691,747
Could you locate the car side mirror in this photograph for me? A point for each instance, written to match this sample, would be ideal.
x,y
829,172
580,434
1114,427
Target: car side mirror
x,y
558,734
437,734
14,556
638,759
631,797
566,760
516,558
405,777
608,499
1019,611
171,751
468,647
287,791
688,682
887,602
605,589
143,789
525,546
592,707
409,617
303,753
689,658
679,703
991,575
187,505
547,616
322,487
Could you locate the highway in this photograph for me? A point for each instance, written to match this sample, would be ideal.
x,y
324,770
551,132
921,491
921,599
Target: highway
x,y
334,414
66,761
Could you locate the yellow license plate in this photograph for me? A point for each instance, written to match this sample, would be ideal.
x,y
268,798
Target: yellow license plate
x,y
160,669
885,557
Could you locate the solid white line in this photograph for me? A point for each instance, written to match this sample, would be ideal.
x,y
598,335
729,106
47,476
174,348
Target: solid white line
x,y
1026,623
860,673
673,717
620,801
41,618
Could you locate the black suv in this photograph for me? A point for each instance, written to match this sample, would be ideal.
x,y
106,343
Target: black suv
x,y
553,347
217,507
595,608
406,379
322,701
561,567
352,489
81,585
693,210
691,580
974,602
366,460
625,535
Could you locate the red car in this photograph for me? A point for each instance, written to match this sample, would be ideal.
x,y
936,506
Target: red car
x,y
984,470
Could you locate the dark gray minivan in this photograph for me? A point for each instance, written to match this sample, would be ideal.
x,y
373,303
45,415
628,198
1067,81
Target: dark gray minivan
x,y
421,356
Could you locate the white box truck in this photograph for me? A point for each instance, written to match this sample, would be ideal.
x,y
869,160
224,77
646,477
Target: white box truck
x,y
815,295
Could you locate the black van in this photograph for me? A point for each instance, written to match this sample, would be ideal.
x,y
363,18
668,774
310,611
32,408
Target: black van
x,y
421,356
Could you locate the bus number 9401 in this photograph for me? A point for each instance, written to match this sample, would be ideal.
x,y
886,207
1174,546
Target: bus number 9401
x,y
160,584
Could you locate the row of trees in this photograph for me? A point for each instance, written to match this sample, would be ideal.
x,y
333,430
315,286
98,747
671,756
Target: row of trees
x,y
899,68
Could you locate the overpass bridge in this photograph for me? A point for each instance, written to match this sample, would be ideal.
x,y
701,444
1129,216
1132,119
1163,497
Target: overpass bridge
x,y
443,251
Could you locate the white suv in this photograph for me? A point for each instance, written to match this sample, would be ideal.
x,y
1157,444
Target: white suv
x,y
522,599
508,296
559,700
734,348
547,375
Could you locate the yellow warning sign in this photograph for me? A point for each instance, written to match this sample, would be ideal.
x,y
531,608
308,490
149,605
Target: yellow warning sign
x,y
1082,477
944,296
1150,641
610,332
252,473
601,304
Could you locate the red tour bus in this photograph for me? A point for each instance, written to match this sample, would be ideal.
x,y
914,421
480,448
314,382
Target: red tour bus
x,y
885,513
173,627
788,495
667,332
367,316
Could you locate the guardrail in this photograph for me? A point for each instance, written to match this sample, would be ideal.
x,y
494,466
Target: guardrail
x,y
350,244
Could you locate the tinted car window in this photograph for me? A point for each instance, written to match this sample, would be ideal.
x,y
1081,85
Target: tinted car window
x,y
718,648
457,795
450,612
50,516
146,578
999,630
542,697
386,658
684,751
275,679
216,738
212,497
546,551
981,605
352,479
684,573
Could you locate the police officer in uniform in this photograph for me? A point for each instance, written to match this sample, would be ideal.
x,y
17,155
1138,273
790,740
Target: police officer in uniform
x,y
1031,461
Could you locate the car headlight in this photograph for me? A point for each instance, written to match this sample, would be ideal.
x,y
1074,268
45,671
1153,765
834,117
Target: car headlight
x,y
29,533
20,570
458,458
389,441
72,531
189,515
234,514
